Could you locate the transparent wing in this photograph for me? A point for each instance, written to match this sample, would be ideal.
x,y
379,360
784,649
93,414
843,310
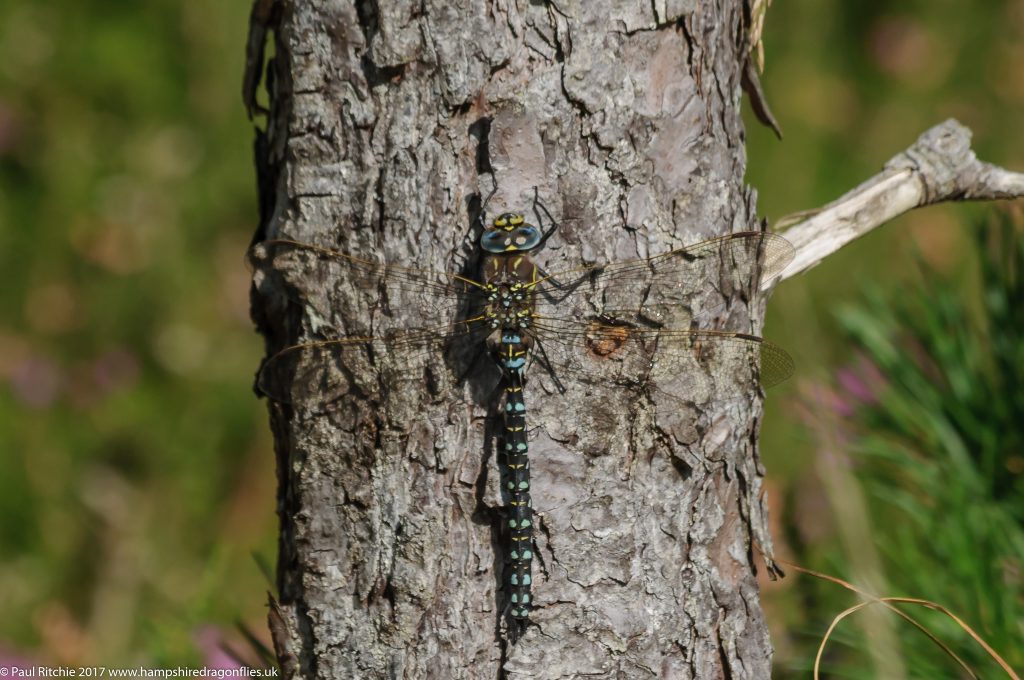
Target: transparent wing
x,y
439,295
417,315
316,375
724,361
674,279
680,366
677,370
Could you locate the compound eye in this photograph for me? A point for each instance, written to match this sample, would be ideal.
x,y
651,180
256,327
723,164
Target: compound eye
x,y
493,241
526,238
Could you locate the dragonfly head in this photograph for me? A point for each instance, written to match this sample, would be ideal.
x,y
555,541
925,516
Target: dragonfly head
x,y
510,233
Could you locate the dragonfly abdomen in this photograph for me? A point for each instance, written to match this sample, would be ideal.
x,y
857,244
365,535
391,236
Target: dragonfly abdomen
x,y
517,485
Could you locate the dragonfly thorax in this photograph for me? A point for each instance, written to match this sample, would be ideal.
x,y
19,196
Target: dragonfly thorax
x,y
509,318
507,293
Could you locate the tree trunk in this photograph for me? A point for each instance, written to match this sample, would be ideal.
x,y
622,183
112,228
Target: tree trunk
x,y
387,123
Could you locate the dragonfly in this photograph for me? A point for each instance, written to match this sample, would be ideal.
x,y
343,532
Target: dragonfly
x,y
628,323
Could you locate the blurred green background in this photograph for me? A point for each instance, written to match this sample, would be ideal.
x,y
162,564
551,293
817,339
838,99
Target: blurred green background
x,y
138,479
138,475
914,489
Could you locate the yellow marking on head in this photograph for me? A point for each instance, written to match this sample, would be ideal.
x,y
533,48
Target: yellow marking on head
x,y
516,219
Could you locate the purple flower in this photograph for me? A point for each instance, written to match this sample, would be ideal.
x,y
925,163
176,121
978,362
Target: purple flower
x,y
9,659
37,381
210,641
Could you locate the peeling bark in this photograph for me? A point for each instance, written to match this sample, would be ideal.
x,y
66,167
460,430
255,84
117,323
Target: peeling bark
x,y
388,121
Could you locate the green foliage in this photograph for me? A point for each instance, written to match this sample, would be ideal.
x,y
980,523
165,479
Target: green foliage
x,y
138,475
853,83
937,443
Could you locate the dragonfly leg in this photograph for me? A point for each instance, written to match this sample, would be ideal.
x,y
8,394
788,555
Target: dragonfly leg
x,y
540,222
555,283
548,366
481,215
566,289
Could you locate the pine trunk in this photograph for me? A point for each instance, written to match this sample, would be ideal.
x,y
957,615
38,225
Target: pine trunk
x,y
388,124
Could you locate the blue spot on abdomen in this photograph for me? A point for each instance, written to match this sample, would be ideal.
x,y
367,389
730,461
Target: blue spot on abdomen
x,y
515,363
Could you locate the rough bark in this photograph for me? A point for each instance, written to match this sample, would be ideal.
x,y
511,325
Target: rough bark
x,y
387,122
